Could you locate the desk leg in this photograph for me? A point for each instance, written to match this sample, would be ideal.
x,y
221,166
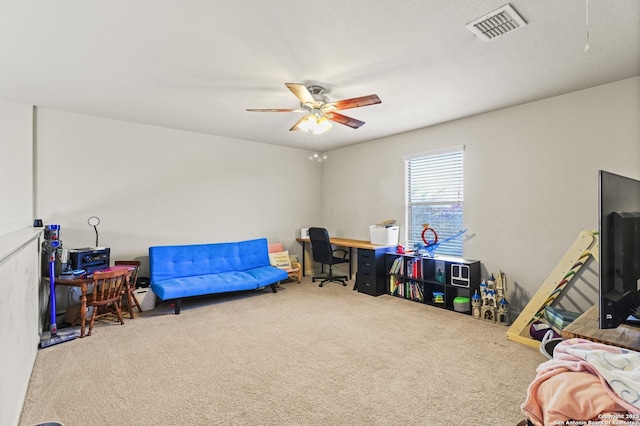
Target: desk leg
x,y
350,261
304,271
83,308
355,283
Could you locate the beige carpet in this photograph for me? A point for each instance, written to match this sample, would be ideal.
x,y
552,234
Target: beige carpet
x,y
303,356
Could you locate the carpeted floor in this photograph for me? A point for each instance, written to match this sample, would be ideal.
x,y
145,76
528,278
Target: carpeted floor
x,y
303,356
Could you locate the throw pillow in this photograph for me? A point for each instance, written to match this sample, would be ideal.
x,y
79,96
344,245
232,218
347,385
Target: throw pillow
x,y
276,247
280,260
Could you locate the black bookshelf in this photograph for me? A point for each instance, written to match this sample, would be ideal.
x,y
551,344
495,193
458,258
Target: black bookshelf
x,y
433,281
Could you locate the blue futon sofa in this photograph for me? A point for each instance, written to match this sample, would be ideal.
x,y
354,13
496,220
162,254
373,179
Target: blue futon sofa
x,y
200,269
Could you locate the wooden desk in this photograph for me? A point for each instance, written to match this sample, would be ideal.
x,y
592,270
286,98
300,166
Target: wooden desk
x,y
340,242
586,327
83,283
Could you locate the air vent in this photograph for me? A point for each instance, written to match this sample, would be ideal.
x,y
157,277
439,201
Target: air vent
x,y
497,23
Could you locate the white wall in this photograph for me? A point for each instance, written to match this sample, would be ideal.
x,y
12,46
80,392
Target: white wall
x,y
530,179
151,185
20,322
16,165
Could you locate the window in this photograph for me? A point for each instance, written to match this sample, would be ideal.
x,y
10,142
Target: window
x,y
434,196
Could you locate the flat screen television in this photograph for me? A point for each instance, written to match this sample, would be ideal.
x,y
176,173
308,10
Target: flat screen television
x,y
619,250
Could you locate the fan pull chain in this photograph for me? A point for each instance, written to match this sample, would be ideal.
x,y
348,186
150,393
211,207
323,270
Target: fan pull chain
x,y
586,45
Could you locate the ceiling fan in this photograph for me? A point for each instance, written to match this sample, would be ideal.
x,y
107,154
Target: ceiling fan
x,y
319,109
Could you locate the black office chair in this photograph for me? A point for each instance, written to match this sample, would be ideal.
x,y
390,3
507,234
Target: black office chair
x,y
324,253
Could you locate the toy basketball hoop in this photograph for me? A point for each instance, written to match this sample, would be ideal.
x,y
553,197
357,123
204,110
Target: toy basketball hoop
x,y
424,235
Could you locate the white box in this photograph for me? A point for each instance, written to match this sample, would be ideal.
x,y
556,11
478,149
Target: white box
x,y
146,298
384,236
304,233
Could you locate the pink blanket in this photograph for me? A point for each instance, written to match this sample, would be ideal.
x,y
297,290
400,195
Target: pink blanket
x,y
598,382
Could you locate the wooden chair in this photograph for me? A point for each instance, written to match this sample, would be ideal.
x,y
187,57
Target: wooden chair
x,y
107,295
130,286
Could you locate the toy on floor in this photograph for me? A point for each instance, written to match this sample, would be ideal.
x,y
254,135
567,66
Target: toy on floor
x,y
490,303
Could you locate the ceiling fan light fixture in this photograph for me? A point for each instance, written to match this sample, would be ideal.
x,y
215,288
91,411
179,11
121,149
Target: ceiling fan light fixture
x,y
315,123
318,157
307,123
322,125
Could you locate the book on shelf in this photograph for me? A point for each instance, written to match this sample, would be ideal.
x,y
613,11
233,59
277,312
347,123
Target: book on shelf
x,y
393,285
414,268
416,291
396,266
399,288
407,289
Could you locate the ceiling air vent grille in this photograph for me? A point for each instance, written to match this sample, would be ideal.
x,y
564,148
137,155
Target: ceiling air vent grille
x,y
497,23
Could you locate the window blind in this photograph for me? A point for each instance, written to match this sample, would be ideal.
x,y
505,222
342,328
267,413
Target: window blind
x,y
434,196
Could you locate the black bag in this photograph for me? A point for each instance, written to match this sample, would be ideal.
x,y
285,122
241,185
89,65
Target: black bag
x,y
143,282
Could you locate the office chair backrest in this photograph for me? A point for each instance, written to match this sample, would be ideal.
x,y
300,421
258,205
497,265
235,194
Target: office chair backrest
x,y
320,245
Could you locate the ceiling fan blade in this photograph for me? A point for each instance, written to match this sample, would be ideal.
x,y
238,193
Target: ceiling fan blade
x,y
272,110
301,92
356,102
343,119
296,126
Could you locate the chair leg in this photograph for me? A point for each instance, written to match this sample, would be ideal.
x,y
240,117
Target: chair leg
x,y
132,301
331,278
119,312
93,319
135,300
130,297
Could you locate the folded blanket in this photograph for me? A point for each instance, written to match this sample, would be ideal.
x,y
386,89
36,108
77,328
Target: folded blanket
x,y
613,391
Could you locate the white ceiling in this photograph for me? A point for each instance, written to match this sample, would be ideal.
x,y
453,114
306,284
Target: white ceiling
x,y
197,65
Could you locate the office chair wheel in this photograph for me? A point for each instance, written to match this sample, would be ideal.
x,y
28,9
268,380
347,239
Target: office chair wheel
x,y
321,284
344,284
313,280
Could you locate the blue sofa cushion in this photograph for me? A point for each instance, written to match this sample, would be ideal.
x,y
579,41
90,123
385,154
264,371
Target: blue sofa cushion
x,y
265,275
200,285
253,254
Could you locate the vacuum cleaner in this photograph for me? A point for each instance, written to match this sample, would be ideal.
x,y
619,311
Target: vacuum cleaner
x,y
50,246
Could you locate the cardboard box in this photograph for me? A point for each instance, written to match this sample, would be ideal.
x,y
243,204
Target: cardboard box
x,y
384,236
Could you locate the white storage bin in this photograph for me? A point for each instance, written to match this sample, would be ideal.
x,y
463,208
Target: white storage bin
x,y
384,236
146,298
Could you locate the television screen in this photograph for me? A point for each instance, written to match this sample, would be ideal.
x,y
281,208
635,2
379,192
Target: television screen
x,y
619,249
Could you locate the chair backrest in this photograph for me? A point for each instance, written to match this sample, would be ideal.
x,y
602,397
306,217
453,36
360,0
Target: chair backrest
x,y
108,286
134,273
320,245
